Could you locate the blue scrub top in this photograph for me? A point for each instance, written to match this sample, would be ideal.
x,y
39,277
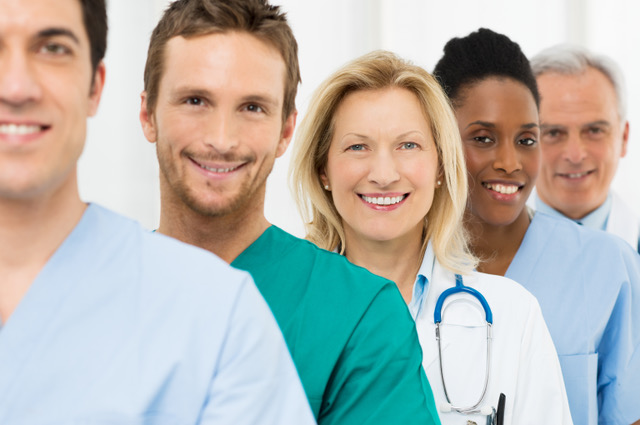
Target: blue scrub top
x,y
123,326
588,285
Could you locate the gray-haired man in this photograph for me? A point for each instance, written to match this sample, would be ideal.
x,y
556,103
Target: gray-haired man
x,y
584,133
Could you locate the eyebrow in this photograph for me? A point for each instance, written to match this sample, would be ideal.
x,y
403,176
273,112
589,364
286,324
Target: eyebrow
x,y
598,122
260,98
548,126
55,32
179,92
400,136
589,124
492,125
482,123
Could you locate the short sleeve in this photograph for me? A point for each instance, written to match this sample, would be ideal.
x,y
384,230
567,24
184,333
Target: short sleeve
x,y
379,377
255,380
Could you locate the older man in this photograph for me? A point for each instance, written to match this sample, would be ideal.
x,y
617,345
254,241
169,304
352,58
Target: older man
x,y
584,134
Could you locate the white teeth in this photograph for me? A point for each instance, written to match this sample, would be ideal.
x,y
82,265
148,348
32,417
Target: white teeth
x,y
218,170
505,189
577,175
386,200
19,129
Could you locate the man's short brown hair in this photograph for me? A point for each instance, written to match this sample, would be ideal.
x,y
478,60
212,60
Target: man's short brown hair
x,y
192,18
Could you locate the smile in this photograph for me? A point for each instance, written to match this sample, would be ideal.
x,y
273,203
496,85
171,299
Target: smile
x,y
505,189
576,175
383,200
19,129
219,170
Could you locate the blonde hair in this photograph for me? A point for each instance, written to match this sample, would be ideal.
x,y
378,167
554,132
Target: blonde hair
x,y
374,71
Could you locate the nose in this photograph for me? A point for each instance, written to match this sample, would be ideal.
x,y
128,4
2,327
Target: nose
x,y
19,85
222,132
383,169
574,151
507,158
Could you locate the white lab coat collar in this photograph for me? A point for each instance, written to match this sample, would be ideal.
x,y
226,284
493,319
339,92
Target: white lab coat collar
x,y
623,222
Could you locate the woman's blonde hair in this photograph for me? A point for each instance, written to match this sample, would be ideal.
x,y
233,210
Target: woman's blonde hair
x,y
375,71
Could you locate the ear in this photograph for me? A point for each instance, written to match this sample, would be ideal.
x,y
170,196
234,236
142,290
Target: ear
x,y
147,120
625,139
324,179
439,175
287,133
96,89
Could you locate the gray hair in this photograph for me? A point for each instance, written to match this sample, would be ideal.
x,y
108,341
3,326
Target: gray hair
x,y
571,60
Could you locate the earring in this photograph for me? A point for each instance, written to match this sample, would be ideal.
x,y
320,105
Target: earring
x,y
326,187
438,183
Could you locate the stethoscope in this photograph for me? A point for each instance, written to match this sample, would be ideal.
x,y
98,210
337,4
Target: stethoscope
x,y
493,417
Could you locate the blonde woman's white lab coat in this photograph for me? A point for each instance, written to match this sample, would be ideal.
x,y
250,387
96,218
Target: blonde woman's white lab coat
x,y
524,363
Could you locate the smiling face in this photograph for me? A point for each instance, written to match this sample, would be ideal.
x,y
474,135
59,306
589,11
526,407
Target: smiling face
x,y
582,139
382,165
498,122
46,95
218,122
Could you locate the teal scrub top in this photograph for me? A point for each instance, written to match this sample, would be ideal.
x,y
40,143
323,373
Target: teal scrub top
x,y
349,332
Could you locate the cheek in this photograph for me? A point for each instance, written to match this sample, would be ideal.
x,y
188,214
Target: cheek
x,y
532,163
550,153
473,162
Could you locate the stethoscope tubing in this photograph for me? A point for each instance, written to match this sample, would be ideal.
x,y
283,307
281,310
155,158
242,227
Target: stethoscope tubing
x,y
489,319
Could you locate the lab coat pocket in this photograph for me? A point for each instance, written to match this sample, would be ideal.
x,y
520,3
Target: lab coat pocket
x,y
580,378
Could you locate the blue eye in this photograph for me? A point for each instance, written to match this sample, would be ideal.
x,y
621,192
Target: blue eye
x,y
409,145
356,147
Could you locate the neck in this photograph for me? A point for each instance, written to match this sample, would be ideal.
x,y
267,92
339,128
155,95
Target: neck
x,y
397,260
226,235
31,230
496,245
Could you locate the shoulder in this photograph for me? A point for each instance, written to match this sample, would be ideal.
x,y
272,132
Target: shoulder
x,y
284,255
565,232
501,289
158,261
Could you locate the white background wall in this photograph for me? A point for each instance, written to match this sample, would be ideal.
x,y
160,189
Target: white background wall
x,y
119,170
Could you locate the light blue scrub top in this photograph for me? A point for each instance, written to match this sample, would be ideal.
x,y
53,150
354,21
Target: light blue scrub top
x,y
123,326
588,285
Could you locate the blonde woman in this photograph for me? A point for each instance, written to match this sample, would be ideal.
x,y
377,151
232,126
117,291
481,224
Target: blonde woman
x,y
379,175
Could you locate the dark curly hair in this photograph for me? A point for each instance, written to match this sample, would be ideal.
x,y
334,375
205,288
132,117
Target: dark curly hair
x,y
480,55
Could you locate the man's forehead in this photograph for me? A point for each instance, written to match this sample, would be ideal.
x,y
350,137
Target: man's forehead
x,y
590,92
225,60
35,17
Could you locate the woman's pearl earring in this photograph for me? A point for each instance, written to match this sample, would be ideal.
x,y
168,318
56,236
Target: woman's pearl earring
x,y
326,187
438,183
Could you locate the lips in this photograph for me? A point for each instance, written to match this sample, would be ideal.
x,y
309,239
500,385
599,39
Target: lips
x,y
383,200
218,168
577,175
503,188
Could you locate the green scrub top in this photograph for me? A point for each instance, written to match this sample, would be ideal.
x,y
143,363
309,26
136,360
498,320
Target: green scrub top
x,y
349,332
